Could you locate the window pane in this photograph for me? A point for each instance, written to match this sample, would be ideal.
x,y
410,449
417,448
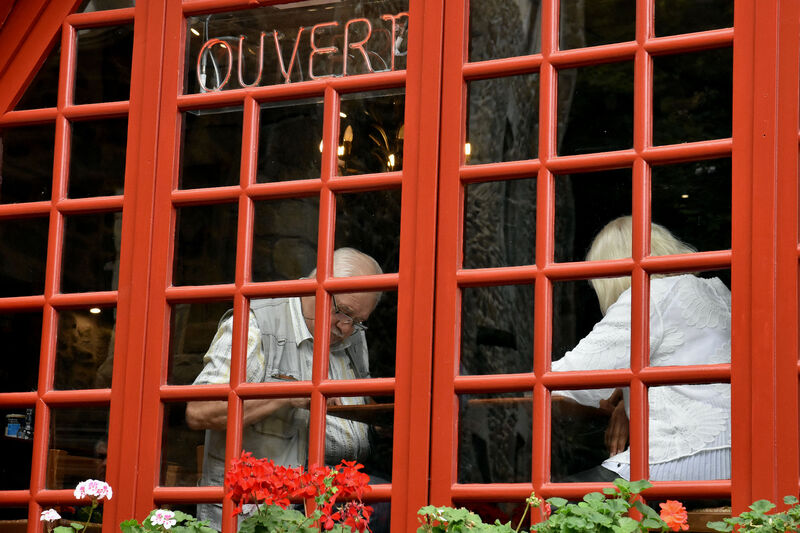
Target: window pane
x,y
17,443
500,223
78,445
285,238
85,348
595,108
289,141
211,148
503,119
507,512
494,438
103,72
497,329
43,90
182,449
27,163
20,334
371,132
597,22
692,96
101,5
352,426
205,244
687,16
521,22
382,336
23,248
193,326
584,204
97,159
693,200
91,252
370,222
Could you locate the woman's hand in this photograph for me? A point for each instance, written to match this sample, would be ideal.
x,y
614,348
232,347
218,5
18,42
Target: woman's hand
x,y
618,430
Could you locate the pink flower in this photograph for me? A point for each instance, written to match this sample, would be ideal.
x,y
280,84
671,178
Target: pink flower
x,y
164,518
97,490
50,515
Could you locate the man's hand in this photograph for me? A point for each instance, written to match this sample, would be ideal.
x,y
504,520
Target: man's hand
x,y
618,426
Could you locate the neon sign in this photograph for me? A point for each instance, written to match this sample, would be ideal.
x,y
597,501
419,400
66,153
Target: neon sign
x,y
327,49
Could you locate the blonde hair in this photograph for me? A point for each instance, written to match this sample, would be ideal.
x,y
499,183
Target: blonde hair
x,y
614,241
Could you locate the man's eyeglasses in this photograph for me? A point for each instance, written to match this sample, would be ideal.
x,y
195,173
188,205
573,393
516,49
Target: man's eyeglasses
x,y
347,319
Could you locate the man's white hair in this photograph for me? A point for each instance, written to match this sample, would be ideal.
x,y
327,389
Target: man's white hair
x,y
614,241
351,262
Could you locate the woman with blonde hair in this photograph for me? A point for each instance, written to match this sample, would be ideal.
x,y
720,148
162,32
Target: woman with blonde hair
x,y
690,324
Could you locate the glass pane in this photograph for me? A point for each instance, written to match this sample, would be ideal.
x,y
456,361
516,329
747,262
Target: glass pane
x,y
584,204
182,449
595,108
23,248
382,336
78,445
14,519
20,334
521,21
285,238
231,50
585,339
497,329
43,90
507,512
690,447
91,252
27,163
503,123
597,22
289,141
589,430
85,348
211,148
687,16
97,159
370,222
694,201
371,132
193,326
205,244
500,223
103,72
494,437
692,96
102,5
17,443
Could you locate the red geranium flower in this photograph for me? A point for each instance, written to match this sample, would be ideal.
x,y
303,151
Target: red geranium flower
x,y
674,514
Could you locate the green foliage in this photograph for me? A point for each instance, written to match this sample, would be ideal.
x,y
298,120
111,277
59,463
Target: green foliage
x,y
186,523
273,518
757,519
449,520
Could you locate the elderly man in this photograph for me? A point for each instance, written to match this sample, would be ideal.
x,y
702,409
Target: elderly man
x,y
280,346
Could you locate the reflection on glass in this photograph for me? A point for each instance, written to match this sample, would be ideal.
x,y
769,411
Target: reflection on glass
x,y
287,44
23,248
597,22
285,238
85,348
595,108
289,141
205,244
371,132
16,446
575,312
20,334
692,96
494,437
192,329
497,329
103,72
584,204
503,122
97,158
500,223
43,90
690,447
78,445
370,222
687,16
90,260
694,201
521,24
102,5
182,449
27,163
211,148
589,431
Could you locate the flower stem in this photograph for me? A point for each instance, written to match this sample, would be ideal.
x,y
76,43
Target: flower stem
x,y
524,514
94,505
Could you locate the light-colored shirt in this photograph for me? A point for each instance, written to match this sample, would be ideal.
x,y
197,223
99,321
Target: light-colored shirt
x,y
689,425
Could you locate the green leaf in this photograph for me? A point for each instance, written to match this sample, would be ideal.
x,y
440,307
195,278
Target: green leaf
x,y
790,500
762,506
652,523
594,497
724,527
63,529
638,486
557,502
609,491
76,526
626,525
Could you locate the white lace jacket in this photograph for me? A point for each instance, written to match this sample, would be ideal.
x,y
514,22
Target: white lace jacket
x,y
690,323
